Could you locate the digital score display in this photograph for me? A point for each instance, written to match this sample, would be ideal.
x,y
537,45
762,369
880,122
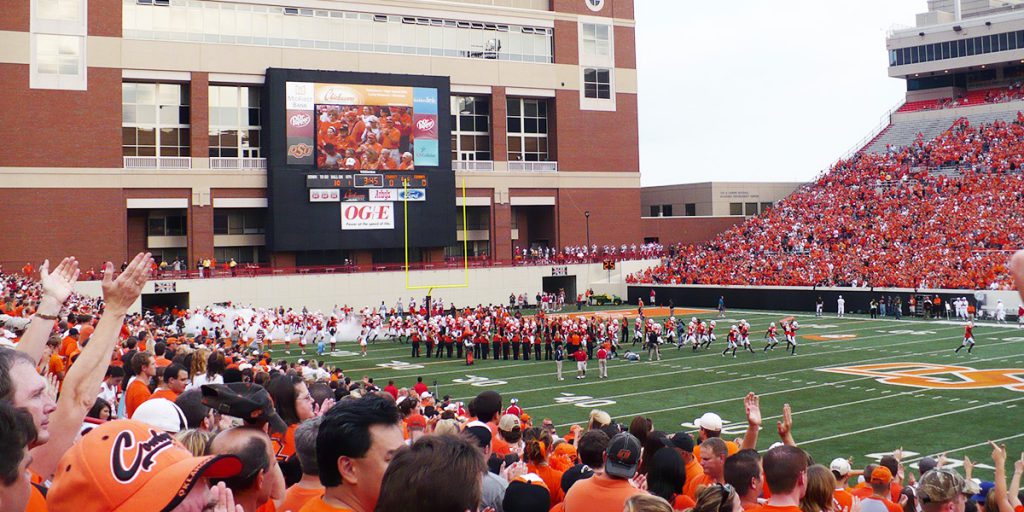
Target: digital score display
x,y
353,180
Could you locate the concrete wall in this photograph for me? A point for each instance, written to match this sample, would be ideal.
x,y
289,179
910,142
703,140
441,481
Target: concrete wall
x,y
323,291
686,230
712,198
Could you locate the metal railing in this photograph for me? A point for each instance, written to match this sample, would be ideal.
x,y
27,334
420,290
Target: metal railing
x,y
158,162
237,163
473,165
533,166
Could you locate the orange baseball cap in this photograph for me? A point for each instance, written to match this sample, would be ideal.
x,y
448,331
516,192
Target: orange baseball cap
x,y
125,465
881,475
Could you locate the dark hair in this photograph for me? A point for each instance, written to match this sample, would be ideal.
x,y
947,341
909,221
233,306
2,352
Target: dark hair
x,y
666,474
232,375
412,476
486,405
640,427
782,466
320,391
282,392
97,406
305,445
172,371
215,364
17,431
651,445
253,454
345,432
114,371
191,404
891,463
140,359
532,452
9,358
159,348
716,445
591,448
741,468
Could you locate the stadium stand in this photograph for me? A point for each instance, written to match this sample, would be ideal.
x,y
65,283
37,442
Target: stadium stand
x,y
859,224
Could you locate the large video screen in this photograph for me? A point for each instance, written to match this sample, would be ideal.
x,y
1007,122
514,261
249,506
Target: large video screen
x,y
348,152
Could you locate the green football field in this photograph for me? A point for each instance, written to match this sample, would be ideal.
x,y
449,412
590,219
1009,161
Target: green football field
x,y
933,401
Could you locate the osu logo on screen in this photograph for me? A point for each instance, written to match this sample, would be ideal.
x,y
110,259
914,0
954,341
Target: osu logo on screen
x,y
425,124
300,150
365,212
300,120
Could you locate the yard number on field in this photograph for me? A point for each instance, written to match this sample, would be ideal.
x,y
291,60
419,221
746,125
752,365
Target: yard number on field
x,y
400,365
582,400
950,462
907,332
479,382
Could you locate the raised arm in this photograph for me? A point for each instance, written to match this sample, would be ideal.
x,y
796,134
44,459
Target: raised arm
x,y
752,406
82,383
785,427
57,287
1014,493
999,461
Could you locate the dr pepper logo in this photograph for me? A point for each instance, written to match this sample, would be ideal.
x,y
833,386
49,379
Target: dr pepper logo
x,y
301,150
300,120
425,125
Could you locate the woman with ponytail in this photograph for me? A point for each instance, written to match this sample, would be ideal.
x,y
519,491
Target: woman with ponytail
x,y
536,454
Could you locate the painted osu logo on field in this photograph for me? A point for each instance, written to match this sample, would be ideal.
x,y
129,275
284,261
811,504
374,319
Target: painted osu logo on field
x,y
937,376
300,120
300,150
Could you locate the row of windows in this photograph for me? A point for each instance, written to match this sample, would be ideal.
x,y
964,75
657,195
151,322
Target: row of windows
x,y
242,221
748,209
216,22
954,49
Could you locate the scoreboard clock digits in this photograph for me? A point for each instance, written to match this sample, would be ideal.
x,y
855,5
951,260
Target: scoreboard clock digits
x,y
368,181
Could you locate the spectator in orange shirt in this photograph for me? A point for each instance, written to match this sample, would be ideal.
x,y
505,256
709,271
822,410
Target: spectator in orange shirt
x,y
879,501
159,349
412,478
841,471
144,368
309,486
261,479
712,460
608,491
69,344
294,405
743,473
785,471
666,476
172,383
536,454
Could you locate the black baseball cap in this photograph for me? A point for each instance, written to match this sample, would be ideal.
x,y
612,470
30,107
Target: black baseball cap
x,y
623,455
683,441
574,474
245,400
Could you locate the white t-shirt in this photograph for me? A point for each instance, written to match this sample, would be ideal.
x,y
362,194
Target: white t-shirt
x,y
201,379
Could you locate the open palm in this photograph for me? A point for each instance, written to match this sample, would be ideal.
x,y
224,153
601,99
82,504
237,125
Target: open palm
x,y
61,282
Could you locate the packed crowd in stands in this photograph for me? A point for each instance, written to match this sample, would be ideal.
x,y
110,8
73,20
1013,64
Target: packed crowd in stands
x,y
881,220
1012,92
584,254
100,412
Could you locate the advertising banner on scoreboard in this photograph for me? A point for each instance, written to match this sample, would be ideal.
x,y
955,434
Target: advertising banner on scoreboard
x,y
368,215
397,194
324,195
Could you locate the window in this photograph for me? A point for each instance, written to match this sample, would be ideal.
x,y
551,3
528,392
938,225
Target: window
x,y
243,221
765,207
58,55
167,224
527,124
751,209
234,121
597,83
57,59
154,119
596,40
655,210
245,254
471,128
170,254
666,210
735,208
691,209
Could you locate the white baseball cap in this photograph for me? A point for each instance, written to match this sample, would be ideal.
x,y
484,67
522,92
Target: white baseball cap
x,y
709,421
162,414
841,466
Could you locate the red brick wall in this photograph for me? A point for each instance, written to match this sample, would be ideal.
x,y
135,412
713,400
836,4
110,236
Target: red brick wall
x,y
612,8
54,223
501,231
567,43
687,230
596,141
245,193
200,232
199,103
104,18
625,47
499,130
17,18
137,220
613,218
86,125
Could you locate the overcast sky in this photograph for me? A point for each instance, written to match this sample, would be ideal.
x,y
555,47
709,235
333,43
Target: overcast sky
x,y
752,90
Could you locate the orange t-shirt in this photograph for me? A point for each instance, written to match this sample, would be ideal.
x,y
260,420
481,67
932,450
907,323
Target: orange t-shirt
x,y
694,477
56,364
772,508
844,499
552,478
162,362
36,501
136,393
500,447
67,345
267,507
683,502
164,393
599,494
318,505
296,497
285,448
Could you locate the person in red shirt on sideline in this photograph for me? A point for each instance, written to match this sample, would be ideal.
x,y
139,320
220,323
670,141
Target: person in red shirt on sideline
x,y
391,389
514,408
581,363
420,387
602,363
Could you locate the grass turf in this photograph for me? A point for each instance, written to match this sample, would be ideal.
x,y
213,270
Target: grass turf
x,y
834,414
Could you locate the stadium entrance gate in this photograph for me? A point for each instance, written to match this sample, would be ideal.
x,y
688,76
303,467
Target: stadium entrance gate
x,y
554,284
165,300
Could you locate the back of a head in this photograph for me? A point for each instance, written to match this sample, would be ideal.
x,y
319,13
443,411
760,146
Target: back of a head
x,y
939,487
17,431
714,498
538,445
435,474
647,503
821,485
305,445
741,468
640,427
486,406
345,432
652,442
591,447
598,418
782,467
250,446
666,473
191,404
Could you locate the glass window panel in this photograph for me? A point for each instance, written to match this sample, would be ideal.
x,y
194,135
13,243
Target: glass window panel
x,y
146,114
147,137
514,125
129,137
168,115
515,144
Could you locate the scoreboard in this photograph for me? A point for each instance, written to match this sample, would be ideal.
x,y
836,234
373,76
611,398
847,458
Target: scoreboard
x,y
366,180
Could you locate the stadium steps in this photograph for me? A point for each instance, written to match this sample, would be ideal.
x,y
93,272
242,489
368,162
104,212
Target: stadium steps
x,y
903,132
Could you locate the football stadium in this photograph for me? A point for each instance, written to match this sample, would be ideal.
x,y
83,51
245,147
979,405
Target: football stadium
x,y
396,255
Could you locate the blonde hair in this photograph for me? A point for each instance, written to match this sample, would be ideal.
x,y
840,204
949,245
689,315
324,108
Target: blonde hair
x,y
449,426
647,503
821,485
598,418
198,366
195,440
712,498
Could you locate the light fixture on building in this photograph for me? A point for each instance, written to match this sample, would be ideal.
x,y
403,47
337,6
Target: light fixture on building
x,y
957,28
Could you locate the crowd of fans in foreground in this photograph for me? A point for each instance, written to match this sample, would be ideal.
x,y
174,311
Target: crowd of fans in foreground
x,y
880,220
228,430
